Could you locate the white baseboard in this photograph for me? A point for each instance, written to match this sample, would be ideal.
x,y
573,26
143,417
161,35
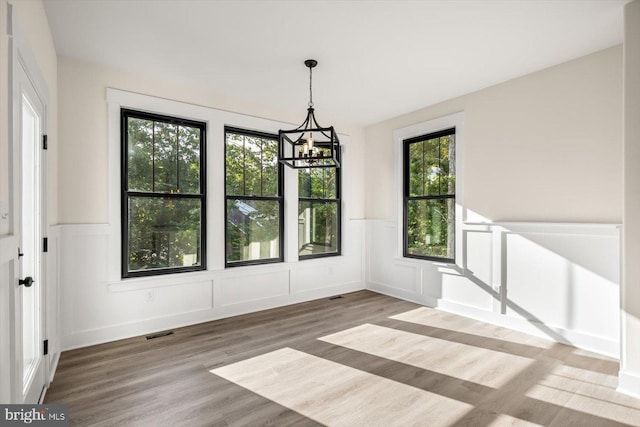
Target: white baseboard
x,y
629,383
573,338
54,366
394,292
133,329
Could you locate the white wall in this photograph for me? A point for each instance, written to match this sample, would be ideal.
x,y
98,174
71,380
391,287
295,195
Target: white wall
x,y
31,18
83,129
97,305
541,196
543,147
630,357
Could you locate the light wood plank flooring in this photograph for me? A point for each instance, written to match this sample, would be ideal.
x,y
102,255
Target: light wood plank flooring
x,y
365,359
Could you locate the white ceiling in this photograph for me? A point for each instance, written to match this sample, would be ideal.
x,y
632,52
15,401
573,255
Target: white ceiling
x,y
377,59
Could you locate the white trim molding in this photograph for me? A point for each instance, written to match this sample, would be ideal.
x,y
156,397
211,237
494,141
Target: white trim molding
x,y
559,281
399,136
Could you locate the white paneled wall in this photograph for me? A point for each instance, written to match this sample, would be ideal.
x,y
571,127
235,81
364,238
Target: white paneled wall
x,y
559,281
94,310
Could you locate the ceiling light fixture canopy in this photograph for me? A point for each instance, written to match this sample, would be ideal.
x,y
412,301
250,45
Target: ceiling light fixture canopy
x,y
309,145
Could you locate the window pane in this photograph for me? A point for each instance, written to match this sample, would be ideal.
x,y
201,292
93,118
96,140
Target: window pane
x,y
140,154
163,233
448,164
189,159
252,165
235,164
415,169
431,227
253,230
165,163
431,167
317,227
317,183
269,167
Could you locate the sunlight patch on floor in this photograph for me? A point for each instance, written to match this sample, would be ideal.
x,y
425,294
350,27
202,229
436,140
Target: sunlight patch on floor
x,y
337,395
471,363
503,420
441,319
587,392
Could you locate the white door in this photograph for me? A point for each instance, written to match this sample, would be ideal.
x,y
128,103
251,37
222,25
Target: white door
x,y
30,303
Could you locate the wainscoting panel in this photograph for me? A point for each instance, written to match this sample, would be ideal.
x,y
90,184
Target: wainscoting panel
x,y
563,279
478,255
385,269
252,287
558,281
316,274
95,309
465,290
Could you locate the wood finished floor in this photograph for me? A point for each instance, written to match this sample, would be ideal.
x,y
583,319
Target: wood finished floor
x,y
365,359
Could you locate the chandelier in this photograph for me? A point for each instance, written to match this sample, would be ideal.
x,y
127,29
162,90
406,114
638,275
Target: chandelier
x,y
309,145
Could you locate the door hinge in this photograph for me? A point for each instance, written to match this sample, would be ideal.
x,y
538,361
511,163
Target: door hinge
x,y
45,244
44,142
46,347
20,254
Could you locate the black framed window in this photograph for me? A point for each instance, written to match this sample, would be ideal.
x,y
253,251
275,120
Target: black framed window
x,y
429,196
254,211
319,216
163,194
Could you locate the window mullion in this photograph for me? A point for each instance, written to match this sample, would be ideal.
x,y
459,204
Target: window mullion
x,y
177,158
153,157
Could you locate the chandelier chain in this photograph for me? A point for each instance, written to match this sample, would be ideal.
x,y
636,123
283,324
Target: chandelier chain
x,y
310,87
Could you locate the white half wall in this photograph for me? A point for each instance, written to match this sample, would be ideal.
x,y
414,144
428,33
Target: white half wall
x,y
95,310
557,281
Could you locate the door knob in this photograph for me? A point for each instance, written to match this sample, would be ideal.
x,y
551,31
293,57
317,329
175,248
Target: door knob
x,y
27,281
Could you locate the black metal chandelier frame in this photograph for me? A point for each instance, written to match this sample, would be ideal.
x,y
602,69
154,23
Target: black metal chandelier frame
x,y
310,145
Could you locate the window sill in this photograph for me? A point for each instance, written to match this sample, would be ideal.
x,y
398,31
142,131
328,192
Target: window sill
x,y
412,262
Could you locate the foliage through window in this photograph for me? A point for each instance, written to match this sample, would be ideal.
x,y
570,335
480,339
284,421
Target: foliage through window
x,y
429,196
254,204
318,212
163,194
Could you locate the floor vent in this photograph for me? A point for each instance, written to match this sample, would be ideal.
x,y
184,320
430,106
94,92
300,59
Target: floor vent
x,y
159,334
335,297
